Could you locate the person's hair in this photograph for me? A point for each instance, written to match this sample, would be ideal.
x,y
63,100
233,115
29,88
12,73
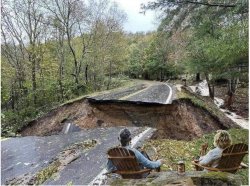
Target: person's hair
x,y
124,142
222,139
125,137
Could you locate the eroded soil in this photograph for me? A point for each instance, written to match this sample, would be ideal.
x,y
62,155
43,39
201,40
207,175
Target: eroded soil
x,y
181,120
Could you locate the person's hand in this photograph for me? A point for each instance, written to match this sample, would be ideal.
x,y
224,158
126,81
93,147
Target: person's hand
x,y
203,149
162,161
196,158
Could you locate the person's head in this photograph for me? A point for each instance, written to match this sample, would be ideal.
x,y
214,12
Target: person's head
x,y
222,139
125,137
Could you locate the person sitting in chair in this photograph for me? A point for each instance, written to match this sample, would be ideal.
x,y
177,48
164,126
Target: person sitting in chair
x,y
222,140
142,157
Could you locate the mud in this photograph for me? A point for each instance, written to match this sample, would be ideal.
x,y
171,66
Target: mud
x,y
181,120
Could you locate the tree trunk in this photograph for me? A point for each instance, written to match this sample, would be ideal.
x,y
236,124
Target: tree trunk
x,y
210,87
146,76
110,69
198,78
12,97
161,75
86,73
61,70
74,56
229,101
33,76
232,86
34,83
61,90
94,78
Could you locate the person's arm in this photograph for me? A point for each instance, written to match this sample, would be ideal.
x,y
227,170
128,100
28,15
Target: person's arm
x,y
209,158
110,166
146,162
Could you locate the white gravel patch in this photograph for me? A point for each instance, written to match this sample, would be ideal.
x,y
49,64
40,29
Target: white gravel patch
x,y
178,87
193,88
201,88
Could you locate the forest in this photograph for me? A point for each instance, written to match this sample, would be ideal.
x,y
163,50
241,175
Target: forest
x,y
53,51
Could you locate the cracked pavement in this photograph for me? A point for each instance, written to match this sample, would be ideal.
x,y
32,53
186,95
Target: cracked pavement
x,y
31,154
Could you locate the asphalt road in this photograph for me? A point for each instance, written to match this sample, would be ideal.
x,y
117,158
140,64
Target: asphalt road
x,y
31,154
153,92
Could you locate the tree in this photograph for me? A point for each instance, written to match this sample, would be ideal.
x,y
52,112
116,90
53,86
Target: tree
x,y
168,4
138,55
106,41
234,46
23,23
66,18
205,26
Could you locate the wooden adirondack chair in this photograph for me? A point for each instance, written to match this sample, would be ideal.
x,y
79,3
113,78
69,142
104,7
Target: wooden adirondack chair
x,y
126,163
230,160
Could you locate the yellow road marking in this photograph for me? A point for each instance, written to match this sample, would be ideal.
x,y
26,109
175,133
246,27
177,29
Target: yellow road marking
x,y
125,97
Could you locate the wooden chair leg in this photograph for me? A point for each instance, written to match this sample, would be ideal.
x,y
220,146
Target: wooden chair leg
x,y
196,167
158,169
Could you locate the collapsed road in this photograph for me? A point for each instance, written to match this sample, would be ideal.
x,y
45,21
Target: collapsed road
x,y
178,120
53,153
86,114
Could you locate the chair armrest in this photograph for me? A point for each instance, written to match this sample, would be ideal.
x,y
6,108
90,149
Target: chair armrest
x,y
216,169
205,167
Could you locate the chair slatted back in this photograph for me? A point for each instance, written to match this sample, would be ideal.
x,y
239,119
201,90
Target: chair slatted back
x,y
232,156
126,163
124,159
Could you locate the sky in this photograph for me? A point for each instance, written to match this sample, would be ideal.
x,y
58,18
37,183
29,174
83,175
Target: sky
x,y
137,22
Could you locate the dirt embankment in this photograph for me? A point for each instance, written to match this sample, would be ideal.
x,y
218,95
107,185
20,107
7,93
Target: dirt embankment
x,y
180,120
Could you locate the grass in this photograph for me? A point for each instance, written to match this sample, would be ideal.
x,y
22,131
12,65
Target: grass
x,y
172,150
46,173
124,83
207,105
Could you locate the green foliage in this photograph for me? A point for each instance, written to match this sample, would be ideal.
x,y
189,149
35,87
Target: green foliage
x,y
215,40
58,66
149,58
219,44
